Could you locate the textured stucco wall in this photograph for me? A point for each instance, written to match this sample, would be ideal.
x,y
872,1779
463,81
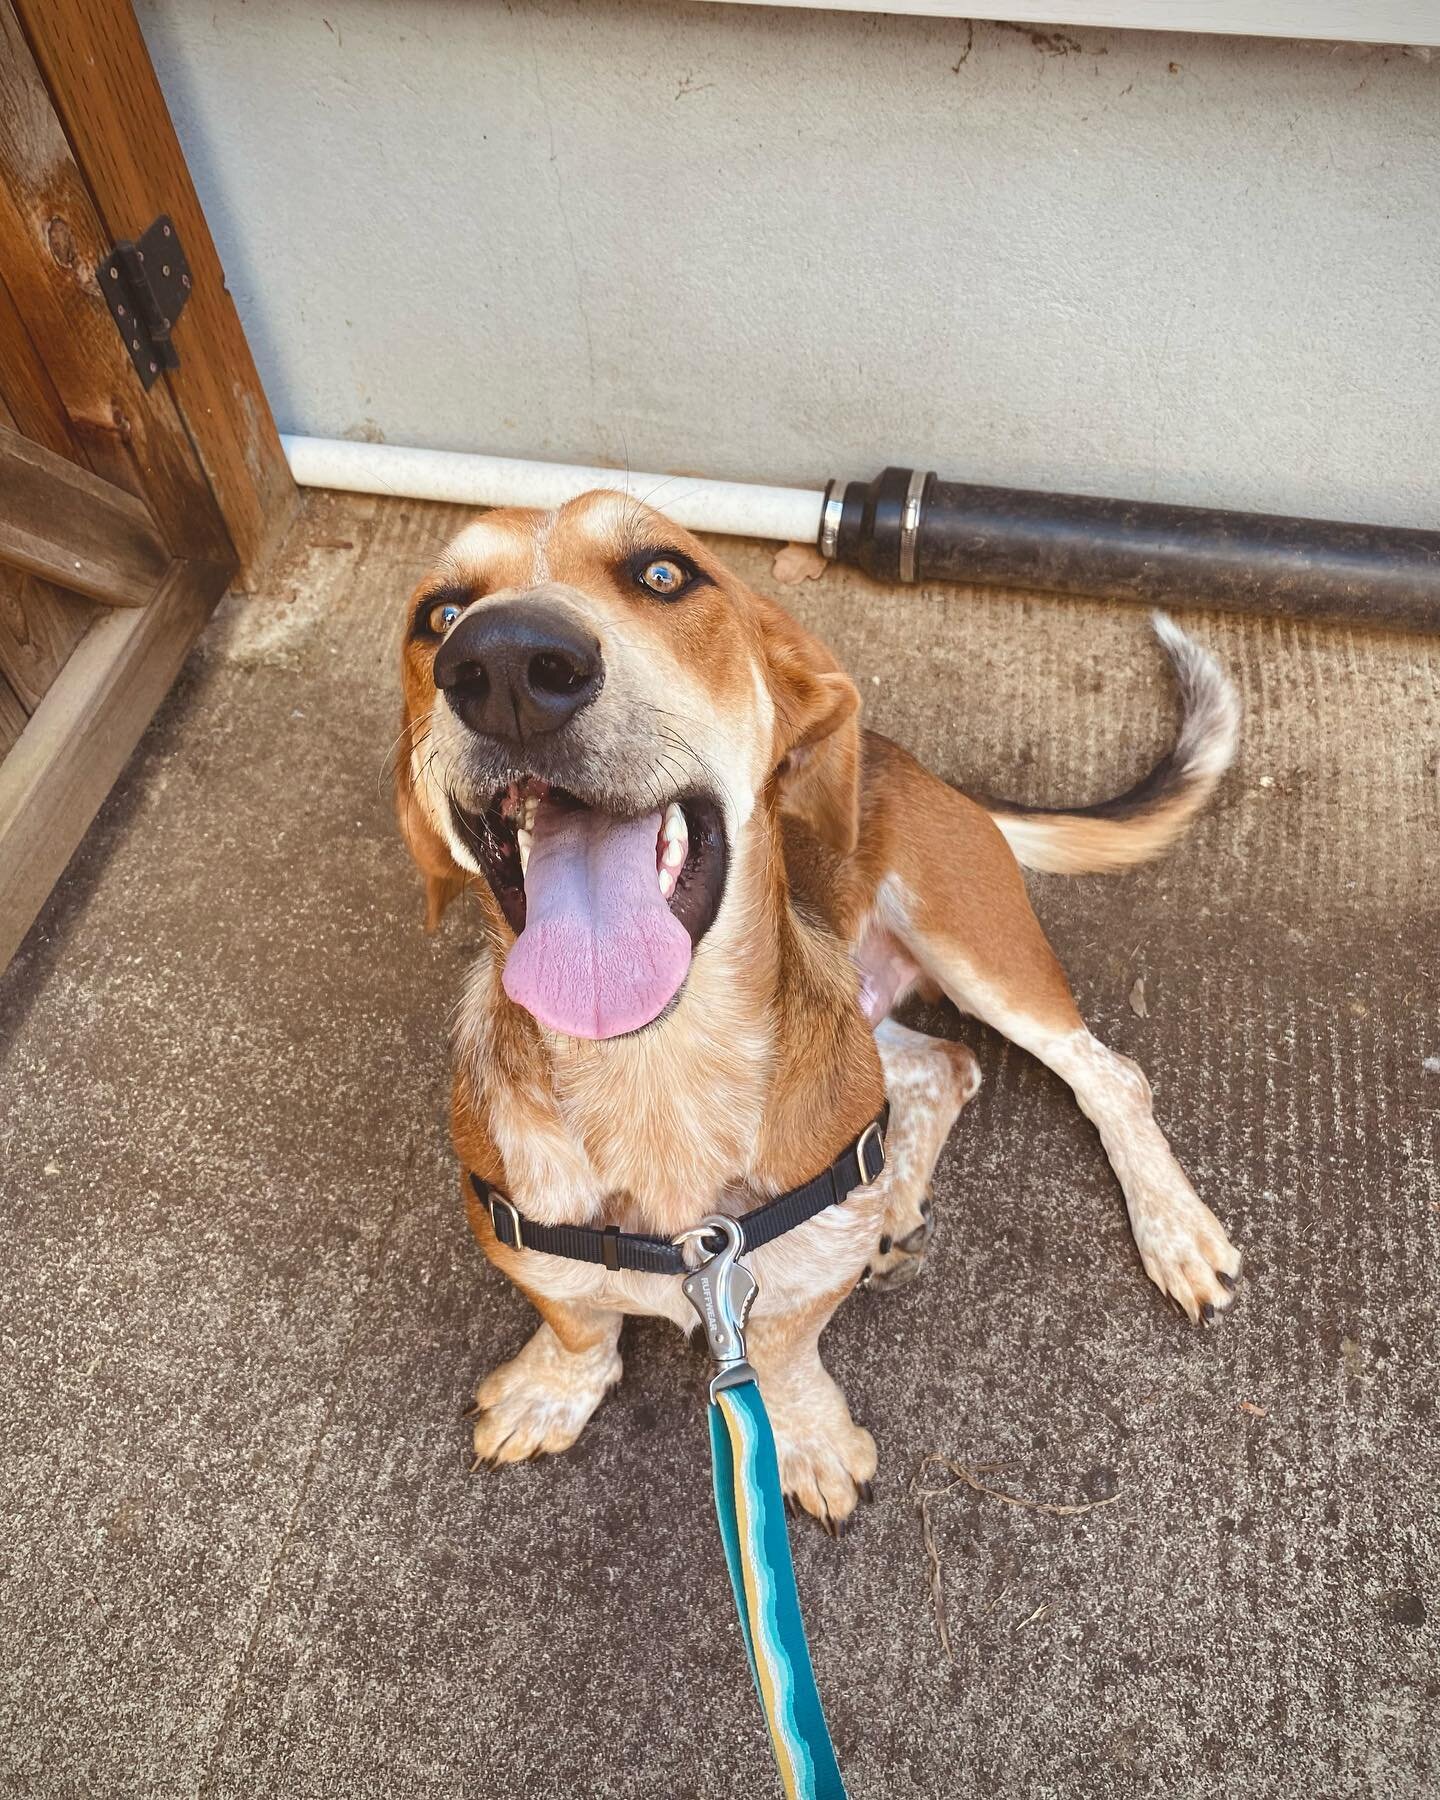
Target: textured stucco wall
x,y
784,244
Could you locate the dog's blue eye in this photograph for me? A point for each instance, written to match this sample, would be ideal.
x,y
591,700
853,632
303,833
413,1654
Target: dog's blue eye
x,y
664,576
442,617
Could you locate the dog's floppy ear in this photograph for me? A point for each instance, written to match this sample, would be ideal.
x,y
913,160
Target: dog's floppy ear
x,y
817,733
444,878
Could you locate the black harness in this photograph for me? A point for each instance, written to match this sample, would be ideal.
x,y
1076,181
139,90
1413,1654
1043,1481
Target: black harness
x,y
857,1165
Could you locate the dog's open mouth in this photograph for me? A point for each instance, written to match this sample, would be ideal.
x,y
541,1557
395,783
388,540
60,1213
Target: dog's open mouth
x,y
607,910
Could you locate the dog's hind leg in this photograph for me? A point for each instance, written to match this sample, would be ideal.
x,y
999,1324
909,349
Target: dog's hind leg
x,y
927,1081
993,960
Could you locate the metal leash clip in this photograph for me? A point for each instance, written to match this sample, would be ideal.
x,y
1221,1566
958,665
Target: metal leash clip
x,y
722,1290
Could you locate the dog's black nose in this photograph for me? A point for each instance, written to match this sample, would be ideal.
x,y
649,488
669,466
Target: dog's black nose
x,y
518,670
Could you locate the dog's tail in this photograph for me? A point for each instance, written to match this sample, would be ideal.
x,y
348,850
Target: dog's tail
x,y
1142,823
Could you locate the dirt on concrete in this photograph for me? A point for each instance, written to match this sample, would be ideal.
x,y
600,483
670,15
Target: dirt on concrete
x,y
242,1312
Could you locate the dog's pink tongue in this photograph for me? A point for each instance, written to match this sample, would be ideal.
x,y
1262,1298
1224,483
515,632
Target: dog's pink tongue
x,y
601,951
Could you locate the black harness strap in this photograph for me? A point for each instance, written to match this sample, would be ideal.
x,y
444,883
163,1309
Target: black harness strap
x,y
857,1165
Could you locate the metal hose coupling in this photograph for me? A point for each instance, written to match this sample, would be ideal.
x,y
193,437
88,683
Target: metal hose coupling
x,y
876,524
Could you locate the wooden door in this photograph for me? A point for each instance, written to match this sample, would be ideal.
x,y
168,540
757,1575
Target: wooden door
x,y
124,511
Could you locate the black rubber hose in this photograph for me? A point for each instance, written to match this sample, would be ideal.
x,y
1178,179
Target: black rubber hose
x,y
908,526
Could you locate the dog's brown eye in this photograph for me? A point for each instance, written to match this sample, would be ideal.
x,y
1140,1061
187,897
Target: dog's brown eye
x,y
440,618
664,576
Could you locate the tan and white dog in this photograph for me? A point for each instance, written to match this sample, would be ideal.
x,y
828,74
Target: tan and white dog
x,y
704,887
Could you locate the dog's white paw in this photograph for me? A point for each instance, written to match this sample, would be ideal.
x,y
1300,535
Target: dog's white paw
x,y
828,1474
827,1461
1183,1248
539,1402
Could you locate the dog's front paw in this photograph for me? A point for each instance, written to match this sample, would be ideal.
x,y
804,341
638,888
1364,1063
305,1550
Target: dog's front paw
x,y
540,1400
827,1463
829,1475
1185,1251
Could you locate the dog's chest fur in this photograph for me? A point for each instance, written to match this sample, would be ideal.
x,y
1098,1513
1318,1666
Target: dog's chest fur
x,y
650,1133
745,1091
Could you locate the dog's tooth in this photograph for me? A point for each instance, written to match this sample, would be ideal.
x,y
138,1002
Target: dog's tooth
x,y
667,883
674,854
674,826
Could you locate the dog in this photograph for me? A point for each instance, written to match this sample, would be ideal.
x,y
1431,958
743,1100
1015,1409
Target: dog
x,y
704,888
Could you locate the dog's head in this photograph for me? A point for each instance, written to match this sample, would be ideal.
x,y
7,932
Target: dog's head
x,y
602,722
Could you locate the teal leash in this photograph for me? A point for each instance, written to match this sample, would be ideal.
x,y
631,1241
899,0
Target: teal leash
x,y
750,1506
748,1498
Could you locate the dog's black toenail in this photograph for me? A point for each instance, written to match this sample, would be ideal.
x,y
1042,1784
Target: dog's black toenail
x,y
867,1491
1207,1312
885,1245
926,1209
1226,1281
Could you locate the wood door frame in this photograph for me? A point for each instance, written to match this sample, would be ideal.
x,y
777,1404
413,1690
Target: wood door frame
x,y
108,99
52,239
186,484
79,738
64,523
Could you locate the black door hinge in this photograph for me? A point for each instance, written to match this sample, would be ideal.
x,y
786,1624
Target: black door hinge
x,y
146,286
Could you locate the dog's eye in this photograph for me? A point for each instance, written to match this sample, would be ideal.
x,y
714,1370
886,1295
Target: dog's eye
x,y
665,576
440,618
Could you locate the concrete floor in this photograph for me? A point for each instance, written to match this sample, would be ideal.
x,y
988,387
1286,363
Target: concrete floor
x,y
243,1313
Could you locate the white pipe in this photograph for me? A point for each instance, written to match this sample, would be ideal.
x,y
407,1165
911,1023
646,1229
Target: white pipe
x,y
1368,21
736,507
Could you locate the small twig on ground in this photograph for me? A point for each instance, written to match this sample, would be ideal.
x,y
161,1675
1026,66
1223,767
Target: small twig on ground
x,y
937,1590
969,1476
996,1601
